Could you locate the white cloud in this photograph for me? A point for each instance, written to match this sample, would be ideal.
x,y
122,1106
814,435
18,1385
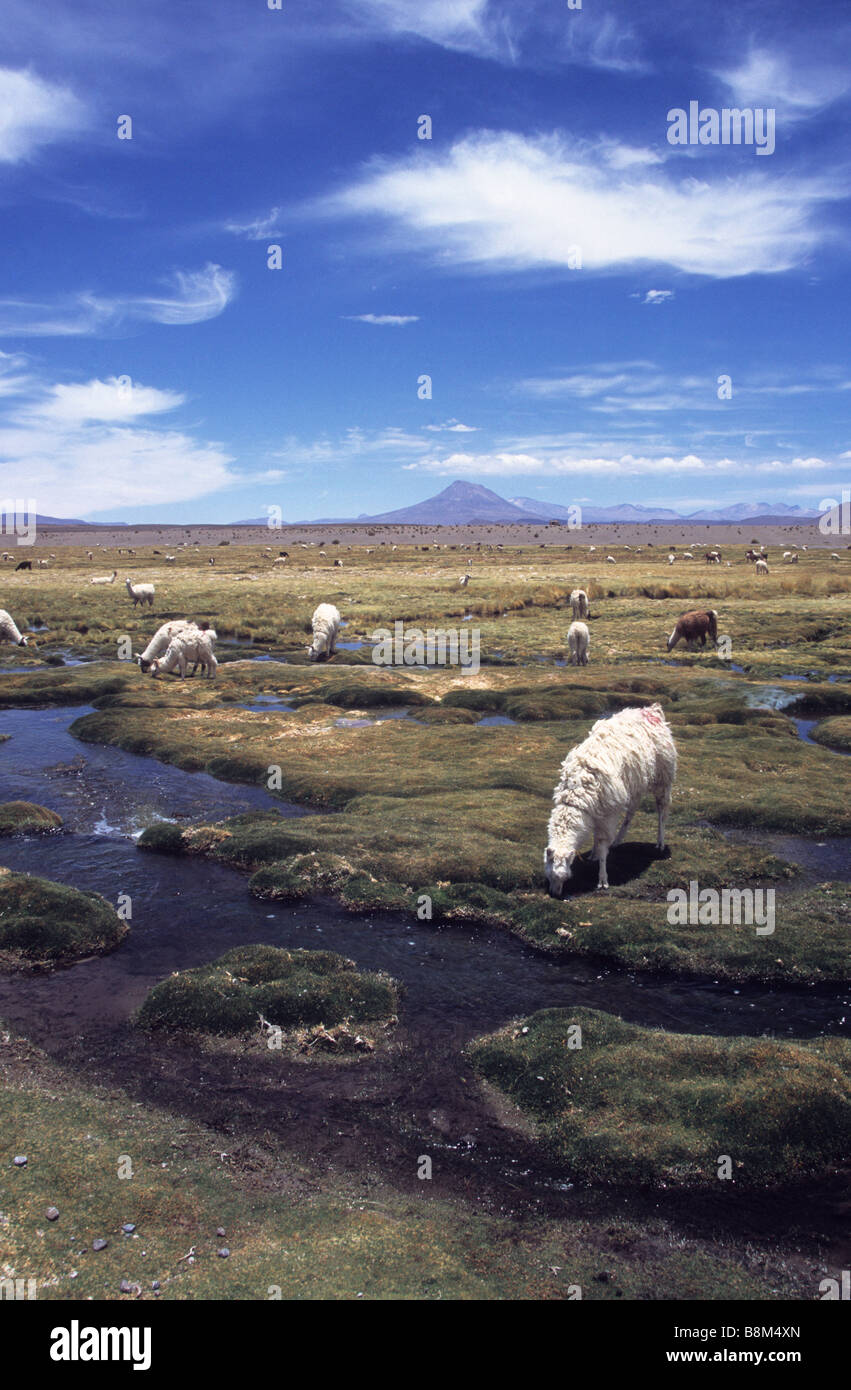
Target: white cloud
x,y
108,401
498,200
66,446
392,320
34,113
657,296
640,386
196,295
354,445
199,295
509,32
799,87
496,465
581,384
14,374
453,427
259,229
457,24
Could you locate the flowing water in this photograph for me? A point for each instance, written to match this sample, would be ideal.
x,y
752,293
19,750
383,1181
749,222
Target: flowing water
x,y
186,911
457,981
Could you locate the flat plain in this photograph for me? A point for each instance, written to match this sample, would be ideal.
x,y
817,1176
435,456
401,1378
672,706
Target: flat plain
x,y
433,785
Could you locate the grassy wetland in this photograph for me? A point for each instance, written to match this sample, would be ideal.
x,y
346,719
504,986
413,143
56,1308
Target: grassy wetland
x,y
429,791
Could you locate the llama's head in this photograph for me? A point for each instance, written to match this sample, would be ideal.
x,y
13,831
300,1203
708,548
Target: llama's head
x,y
318,648
23,642
558,869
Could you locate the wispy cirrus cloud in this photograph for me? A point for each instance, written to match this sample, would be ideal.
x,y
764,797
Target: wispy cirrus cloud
x,y
511,31
35,113
800,87
459,24
502,201
259,228
14,373
499,464
641,386
196,295
384,320
353,445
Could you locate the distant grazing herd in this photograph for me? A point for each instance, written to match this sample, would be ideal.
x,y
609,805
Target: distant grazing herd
x,y
168,656
603,780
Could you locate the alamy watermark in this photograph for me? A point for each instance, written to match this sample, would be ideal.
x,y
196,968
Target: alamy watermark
x,y
729,126
434,647
836,518
18,1288
19,519
713,907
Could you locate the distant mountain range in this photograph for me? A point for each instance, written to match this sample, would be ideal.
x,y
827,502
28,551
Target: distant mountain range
x,y
469,504
70,521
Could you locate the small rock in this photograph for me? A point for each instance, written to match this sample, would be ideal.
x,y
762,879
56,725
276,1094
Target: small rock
x,y
125,1286
52,1213
128,1228
223,1253
99,1244
220,1231
155,1285
20,1160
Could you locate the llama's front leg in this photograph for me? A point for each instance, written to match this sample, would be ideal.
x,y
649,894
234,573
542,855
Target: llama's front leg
x,y
662,805
601,850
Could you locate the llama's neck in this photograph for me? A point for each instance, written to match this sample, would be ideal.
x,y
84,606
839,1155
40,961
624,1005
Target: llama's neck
x,y
569,829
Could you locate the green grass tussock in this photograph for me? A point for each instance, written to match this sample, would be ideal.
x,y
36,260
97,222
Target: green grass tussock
x,y
634,1105
289,988
45,923
25,818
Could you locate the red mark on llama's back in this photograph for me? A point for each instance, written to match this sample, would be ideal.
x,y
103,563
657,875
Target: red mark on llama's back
x,y
653,714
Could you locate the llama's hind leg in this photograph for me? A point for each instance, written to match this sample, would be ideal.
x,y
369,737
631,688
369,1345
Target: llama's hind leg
x,y
663,803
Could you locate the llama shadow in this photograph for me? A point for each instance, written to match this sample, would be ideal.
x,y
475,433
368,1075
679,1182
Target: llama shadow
x,y
629,861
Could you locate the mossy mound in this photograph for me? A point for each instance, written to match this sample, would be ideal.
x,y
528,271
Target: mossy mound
x,y
439,714
821,699
808,946
289,988
26,818
301,876
637,1105
361,694
164,837
45,923
565,701
78,685
834,733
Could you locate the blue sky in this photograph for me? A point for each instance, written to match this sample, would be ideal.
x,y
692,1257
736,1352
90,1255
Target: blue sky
x,y
573,283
